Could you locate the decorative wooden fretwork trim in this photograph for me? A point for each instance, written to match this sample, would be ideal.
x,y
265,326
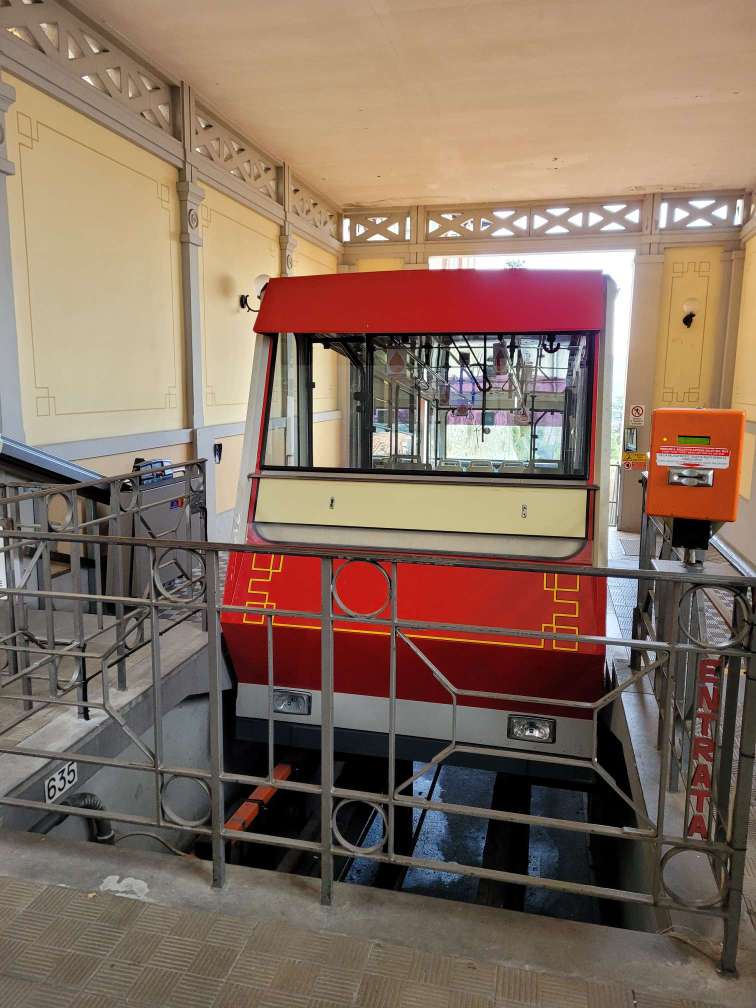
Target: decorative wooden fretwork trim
x,y
230,152
71,43
377,226
703,211
626,218
533,220
312,212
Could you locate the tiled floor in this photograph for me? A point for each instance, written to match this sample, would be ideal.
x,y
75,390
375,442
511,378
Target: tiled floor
x,y
63,948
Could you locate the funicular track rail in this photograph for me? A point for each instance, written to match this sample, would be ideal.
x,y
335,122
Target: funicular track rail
x,y
664,830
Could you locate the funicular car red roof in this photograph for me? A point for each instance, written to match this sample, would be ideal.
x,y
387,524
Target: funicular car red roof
x,y
435,301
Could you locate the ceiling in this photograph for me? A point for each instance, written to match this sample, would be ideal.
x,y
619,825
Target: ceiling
x,y
426,101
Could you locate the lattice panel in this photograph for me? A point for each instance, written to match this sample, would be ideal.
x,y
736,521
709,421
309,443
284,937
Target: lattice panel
x,y
620,215
312,210
231,153
377,226
58,34
701,212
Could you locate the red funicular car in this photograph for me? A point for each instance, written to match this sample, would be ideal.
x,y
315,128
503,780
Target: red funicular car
x,y
451,414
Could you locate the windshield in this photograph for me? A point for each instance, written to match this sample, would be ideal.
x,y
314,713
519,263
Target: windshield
x,y
493,404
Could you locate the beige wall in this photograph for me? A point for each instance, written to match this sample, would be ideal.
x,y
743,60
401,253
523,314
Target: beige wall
x,y
310,259
96,267
238,245
378,265
227,473
115,465
670,364
742,534
688,363
328,445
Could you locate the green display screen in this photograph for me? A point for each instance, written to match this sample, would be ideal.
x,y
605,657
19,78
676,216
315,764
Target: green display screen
x,y
693,439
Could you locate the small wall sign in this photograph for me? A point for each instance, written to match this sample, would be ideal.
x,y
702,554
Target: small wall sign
x,y
636,416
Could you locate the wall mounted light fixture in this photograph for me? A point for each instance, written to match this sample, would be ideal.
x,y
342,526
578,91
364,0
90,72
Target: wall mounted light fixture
x,y
690,307
258,289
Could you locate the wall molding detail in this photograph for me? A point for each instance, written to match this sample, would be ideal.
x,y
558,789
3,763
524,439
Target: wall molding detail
x,y
97,447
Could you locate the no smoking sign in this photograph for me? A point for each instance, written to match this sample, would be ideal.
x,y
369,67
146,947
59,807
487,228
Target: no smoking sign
x,y
637,416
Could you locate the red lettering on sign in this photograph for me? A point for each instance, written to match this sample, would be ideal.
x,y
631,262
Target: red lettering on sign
x,y
701,776
698,827
703,748
708,699
699,797
707,720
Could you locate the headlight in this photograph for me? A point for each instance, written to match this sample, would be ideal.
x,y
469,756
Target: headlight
x,y
525,728
291,702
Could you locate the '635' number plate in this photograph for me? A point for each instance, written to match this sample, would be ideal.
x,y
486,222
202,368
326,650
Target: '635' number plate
x,y
61,781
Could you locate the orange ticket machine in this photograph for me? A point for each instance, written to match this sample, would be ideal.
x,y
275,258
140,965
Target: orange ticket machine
x,y
694,471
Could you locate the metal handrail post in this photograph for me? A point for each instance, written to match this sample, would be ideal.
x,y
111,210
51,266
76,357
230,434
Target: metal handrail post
x,y
217,790
740,814
157,685
75,552
44,575
646,550
115,558
725,750
16,660
326,731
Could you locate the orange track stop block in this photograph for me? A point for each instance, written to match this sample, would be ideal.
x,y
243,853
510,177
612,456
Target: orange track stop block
x,y
248,811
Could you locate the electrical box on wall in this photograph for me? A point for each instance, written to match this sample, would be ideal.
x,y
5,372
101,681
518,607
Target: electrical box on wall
x,y
694,468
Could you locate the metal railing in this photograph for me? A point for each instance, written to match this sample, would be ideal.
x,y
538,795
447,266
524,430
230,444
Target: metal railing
x,y
131,504
666,829
614,482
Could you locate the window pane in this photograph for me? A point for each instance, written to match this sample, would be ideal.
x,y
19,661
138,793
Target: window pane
x,y
480,405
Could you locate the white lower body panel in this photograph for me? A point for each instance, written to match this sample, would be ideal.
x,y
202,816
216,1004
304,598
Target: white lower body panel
x,y
421,719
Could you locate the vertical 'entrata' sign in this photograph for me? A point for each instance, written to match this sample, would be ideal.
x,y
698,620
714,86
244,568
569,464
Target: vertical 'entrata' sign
x,y
703,748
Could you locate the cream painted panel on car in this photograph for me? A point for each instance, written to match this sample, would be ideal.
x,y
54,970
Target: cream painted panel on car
x,y
442,507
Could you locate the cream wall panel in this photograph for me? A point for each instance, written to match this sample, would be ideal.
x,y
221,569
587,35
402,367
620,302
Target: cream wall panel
x,y
746,472
96,267
327,445
325,376
689,360
227,473
311,260
744,386
115,465
742,534
424,506
238,245
378,265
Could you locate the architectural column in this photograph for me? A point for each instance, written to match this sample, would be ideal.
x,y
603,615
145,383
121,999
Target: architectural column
x,y
190,197
287,244
11,417
730,322
641,369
